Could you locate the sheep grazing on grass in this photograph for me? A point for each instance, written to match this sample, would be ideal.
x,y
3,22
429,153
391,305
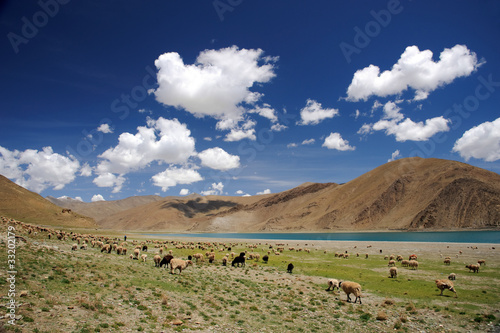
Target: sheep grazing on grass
x,y
413,257
74,247
166,260
83,247
239,260
392,263
404,263
143,257
445,284
350,287
179,264
473,268
265,258
332,284
145,248
447,261
413,264
393,271
106,247
289,268
224,261
452,276
157,260
481,262
136,254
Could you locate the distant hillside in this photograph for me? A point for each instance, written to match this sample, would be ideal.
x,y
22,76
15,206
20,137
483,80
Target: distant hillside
x,y
407,194
102,209
18,203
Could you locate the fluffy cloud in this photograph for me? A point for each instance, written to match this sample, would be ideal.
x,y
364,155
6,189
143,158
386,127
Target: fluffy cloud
x,y
481,142
108,179
97,197
266,111
38,170
394,156
313,113
162,140
335,141
218,159
215,189
86,170
184,191
415,69
292,145
266,191
393,122
173,176
239,134
308,142
216,85
104,128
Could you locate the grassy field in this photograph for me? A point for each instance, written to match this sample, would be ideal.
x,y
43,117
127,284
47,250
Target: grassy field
x,y
89,291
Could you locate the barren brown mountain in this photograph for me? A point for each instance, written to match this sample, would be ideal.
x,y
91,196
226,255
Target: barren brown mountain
x,y
18,203
407,194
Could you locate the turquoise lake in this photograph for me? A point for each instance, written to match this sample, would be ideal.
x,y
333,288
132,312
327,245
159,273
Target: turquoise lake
x,y
492,237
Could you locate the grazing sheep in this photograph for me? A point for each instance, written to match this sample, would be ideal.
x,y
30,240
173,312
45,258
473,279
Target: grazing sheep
x,y
473,268
413,257
265,258
413,264
166,260
289,269
224,261
239,260
198,256
211,258
179,264
350,287
106,247
481,262
452,276
447,261
74,247
392,263
445,284
332,284
157,260
394,272
404,263
145,248
366,256
143,257
83,247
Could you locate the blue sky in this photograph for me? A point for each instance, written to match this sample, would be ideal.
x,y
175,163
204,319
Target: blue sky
x,y
105,100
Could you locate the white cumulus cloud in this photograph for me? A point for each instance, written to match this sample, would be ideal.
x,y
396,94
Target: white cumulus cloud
x,y
335,141
415,70
215,189
38,170
266,191
394,156
218,159
481,142
184,191
217,84
104,128
313,113
97,197
173,176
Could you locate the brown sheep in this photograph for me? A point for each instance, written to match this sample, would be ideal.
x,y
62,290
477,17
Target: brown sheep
x,y
179,264
473,268
445,284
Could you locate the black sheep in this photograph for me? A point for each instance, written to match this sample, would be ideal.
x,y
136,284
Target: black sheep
x,y
289,268
166,260
239,260
265,258
145,248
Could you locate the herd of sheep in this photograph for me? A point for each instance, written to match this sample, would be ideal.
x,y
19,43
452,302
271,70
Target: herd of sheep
x,y
164,257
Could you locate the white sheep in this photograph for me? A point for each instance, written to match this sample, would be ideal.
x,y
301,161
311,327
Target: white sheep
x,y
445,284
350,287
413,264
157,260
392,262
332,284
143,257
136,253
394,272
179,264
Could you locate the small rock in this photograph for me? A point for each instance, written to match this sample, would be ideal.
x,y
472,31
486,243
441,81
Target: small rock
x,y
177,322
71,307
23,293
